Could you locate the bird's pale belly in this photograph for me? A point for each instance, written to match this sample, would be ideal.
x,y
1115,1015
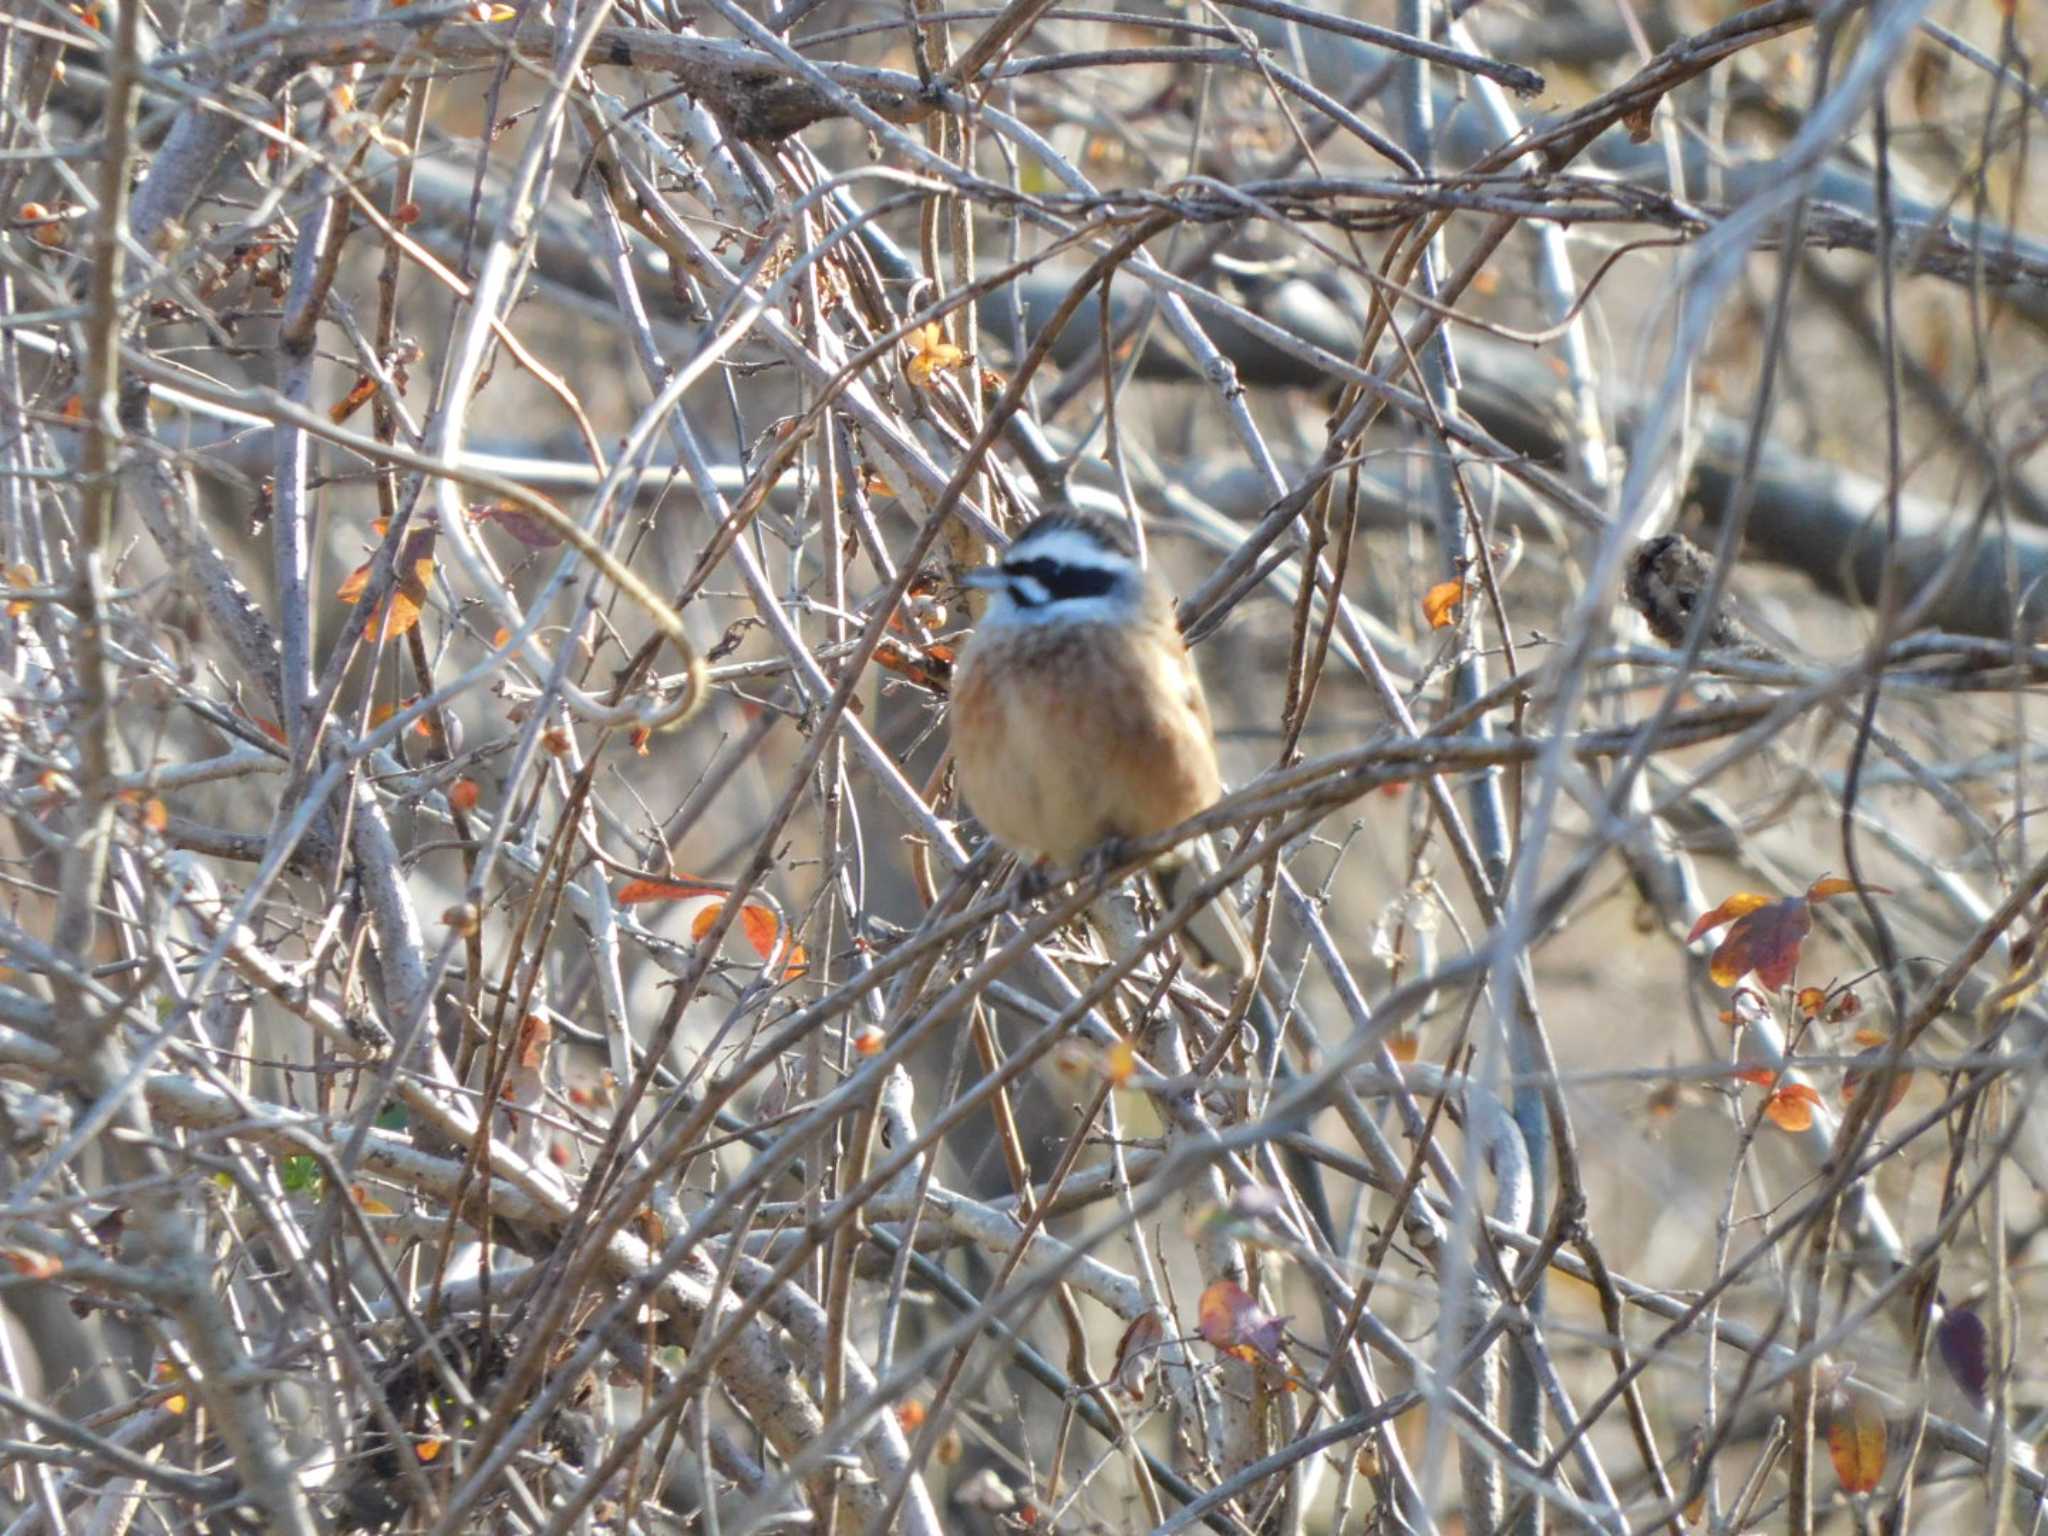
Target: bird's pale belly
x,y
1058,752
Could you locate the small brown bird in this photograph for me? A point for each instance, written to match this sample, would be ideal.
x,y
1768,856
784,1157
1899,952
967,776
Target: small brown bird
x,y
1077,717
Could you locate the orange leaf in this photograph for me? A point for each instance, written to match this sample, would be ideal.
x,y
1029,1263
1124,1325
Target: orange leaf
x,y
155,815
1741,904
358,582
532,1050
463,795
353,401
868,1040
762,928
1791,1107
705,921
1237,1325
1856,1444
1440,603
1810,1001
369,1203
664,890
1835,885
1763,1077
429,1448
20,576
933,354
1120,1063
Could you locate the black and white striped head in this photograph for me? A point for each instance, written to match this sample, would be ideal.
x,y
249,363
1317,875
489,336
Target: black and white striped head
x,y
1064,568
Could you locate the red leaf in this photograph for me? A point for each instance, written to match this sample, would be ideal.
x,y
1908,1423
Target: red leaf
x,y
1765,941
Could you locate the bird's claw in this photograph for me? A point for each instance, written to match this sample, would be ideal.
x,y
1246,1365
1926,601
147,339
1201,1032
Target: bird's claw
x,y
1104,857
1034,882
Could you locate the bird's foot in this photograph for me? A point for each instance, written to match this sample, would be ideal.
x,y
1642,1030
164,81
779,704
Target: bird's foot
x,y
1105,856
1033,883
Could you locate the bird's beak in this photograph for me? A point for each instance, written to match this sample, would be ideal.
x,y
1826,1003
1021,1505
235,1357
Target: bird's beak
x,y
986,577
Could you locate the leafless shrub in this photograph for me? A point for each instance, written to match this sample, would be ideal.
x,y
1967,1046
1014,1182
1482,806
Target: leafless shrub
x,y
506,1024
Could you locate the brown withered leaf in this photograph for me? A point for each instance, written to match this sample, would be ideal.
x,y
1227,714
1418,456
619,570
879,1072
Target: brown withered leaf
x,y
1856,1442
414,571
1234,1323
523,523
1137,1354
1765,934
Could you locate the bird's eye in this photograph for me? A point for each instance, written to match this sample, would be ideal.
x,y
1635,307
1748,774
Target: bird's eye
x,y
1058,580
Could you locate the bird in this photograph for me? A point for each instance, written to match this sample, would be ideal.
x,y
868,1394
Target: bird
x,y
1668,575
1078,721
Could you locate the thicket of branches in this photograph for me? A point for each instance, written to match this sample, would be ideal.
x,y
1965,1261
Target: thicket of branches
x,y
506,1023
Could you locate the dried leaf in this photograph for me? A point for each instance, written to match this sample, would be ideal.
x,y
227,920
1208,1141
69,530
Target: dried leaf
x,y
1119,1063
463,795
1440,604
354,400
532,1049
523,523
763,929
1764,942
1790,1107
1966,1350
1741,904
634,891
368,1203
931,353
1856,1443
1237,1325
1835,885
1137,1354
415,568
20,576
